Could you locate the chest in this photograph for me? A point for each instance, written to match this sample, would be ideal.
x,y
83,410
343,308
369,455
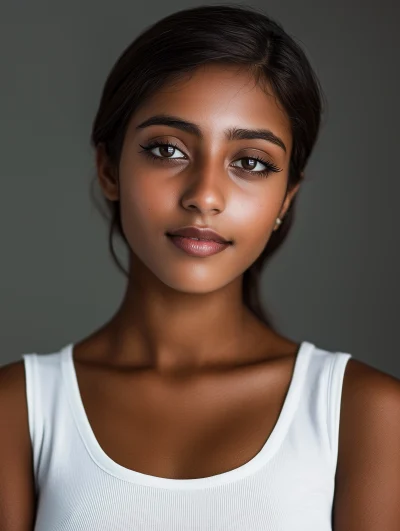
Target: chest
x,y
184,429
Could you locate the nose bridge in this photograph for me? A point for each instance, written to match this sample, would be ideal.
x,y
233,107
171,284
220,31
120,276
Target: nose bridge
x,y
204,185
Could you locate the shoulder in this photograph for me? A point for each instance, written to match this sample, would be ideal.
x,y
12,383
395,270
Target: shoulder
x,y
367,482
12,384
17,486
13,403
368,394
370,407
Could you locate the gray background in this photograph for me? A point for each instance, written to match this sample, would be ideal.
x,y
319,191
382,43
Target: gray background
x,y
335,281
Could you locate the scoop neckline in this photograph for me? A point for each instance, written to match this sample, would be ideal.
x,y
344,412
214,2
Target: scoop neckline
x,y
113,468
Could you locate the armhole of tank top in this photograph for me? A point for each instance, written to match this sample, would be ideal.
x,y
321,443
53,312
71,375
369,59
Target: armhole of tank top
x,y
337,367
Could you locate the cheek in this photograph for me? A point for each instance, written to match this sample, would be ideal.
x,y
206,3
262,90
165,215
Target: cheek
x,y
255,216
143,204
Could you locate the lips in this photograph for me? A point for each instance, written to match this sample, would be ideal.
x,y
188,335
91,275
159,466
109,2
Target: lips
x,y
196,247
199,233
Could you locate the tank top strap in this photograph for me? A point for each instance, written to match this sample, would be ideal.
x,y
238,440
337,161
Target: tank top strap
x,y
317,415
42,385
336,370
34,407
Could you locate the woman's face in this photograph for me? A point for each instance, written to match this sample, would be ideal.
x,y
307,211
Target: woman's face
x,y
205,179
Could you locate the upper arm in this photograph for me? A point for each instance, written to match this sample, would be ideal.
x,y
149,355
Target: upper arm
x,y
367,489
17,490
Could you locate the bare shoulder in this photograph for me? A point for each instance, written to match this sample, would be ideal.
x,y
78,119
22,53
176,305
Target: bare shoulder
x,y
357,368
368,396
13,404
367,483
12,389
370,404
11,374
17,494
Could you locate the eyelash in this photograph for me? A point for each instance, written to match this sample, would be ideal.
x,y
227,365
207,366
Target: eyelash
x,y
270,167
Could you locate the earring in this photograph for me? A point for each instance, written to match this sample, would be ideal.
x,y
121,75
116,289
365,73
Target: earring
x,y
278,221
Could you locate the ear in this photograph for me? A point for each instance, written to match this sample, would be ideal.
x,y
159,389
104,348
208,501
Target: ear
x,y
107,175
289,198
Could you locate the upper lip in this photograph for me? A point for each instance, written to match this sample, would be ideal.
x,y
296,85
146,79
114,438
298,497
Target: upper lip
x,y
203,233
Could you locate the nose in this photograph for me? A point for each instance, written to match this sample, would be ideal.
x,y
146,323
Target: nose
x,y
203,189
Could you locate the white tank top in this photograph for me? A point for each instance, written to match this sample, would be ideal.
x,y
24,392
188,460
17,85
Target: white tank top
x,y
287,486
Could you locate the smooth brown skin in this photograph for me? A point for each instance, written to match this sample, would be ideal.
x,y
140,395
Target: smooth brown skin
x,y
183,381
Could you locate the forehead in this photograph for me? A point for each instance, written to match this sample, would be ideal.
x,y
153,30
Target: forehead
x,y
219,96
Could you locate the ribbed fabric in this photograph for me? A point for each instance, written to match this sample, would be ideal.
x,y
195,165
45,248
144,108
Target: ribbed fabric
x,y
287,486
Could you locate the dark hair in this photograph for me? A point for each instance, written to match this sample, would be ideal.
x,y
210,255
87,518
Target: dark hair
x,y
181,42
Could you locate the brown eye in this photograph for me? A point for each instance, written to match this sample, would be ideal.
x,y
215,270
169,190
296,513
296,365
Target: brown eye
x,y
165,148
252,162
251,165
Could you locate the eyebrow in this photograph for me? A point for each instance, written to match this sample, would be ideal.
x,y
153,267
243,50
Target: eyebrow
x,y
232,133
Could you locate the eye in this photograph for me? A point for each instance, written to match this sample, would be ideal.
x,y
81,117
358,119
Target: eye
x,y
165,147
269,166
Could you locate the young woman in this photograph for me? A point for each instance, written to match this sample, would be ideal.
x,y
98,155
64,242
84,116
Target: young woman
x,y
188,410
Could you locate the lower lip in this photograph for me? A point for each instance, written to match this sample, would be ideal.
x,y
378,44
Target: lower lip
x,y
198,247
